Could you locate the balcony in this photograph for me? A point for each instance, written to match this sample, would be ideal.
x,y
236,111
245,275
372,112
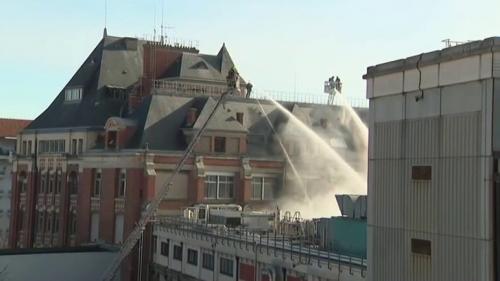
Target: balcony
x,y
119,204
95,203
73,200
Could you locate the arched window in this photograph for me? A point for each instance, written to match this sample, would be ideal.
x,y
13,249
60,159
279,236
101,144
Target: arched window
x,y
22,181
73,183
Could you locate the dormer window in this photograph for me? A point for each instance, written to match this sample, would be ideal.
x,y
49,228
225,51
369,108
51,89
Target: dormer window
x,y
220,144
73,94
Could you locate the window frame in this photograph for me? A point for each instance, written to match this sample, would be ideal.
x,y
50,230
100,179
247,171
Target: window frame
x,y
226,266
220,144
165,248
421,247
97,186
177,252
208,261
122,184
263,182
220,182
192,257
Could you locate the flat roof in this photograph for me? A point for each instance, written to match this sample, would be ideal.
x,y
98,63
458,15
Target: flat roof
x,y
491,44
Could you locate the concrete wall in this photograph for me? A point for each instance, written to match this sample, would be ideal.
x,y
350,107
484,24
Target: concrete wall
x,y
449,129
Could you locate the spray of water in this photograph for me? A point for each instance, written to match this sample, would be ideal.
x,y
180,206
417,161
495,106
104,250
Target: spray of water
x,y
287,156
323,171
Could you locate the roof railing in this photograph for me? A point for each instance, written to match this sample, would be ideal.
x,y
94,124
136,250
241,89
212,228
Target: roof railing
x,y
187,88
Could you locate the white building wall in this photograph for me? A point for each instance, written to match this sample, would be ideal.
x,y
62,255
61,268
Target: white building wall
x,y
449,130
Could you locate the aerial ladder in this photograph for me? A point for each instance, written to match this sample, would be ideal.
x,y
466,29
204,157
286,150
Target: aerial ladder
x,y
151,208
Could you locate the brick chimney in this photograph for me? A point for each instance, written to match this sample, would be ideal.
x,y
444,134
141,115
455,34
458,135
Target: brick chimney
x,y
191,116
239,117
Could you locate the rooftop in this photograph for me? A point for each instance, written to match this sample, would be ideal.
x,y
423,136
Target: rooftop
x,y
472,48
10,127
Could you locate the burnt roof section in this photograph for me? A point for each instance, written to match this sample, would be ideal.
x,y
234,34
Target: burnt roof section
x,y
491,44
165,121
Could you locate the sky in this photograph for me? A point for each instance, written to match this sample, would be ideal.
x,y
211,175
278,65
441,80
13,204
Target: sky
x,y
290,46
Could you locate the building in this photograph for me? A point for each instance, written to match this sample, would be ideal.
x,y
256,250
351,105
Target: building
x,y
87,166
433,165
186,251
8,132
47,264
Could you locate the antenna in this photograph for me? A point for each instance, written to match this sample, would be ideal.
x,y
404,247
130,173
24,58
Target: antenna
x,y
162,12
105,14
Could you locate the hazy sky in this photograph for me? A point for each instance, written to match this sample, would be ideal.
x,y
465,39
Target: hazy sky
x,y
276,44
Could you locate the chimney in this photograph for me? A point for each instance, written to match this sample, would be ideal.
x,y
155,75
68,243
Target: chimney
x,y
239,117
191,117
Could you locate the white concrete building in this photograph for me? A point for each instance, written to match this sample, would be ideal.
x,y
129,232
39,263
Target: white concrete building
x,y
433,161
8,131
194,252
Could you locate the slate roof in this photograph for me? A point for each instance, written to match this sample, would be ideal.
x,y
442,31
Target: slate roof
x,y
10,127
113,63
117,62
165,121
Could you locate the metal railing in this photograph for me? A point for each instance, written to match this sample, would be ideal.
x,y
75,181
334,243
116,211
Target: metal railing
x,y
302,97
189,89
270,244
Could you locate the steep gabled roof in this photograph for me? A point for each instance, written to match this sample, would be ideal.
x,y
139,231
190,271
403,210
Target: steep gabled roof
x,y
10,127
113,62
221,120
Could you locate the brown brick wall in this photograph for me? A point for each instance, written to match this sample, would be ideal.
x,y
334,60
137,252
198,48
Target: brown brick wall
x,y
107,207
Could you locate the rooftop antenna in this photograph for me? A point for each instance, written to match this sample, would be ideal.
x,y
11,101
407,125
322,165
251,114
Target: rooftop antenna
x,y
105,17
163,28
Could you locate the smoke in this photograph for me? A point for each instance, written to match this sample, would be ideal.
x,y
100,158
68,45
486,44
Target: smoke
x,y
328,147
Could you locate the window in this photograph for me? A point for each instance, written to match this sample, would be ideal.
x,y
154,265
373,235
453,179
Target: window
x,y
51,184
80,146
20,219
55,229
96,192
58,182
112,137
43,183
421,172
23,150
122,184
29,148
73,94
154,243
422,247
164,248
40,222
226,267
23,182
73,147
51,146
48,222
263,188
208,261
177,252
220,144
219,187
73,183
72,223
192,257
